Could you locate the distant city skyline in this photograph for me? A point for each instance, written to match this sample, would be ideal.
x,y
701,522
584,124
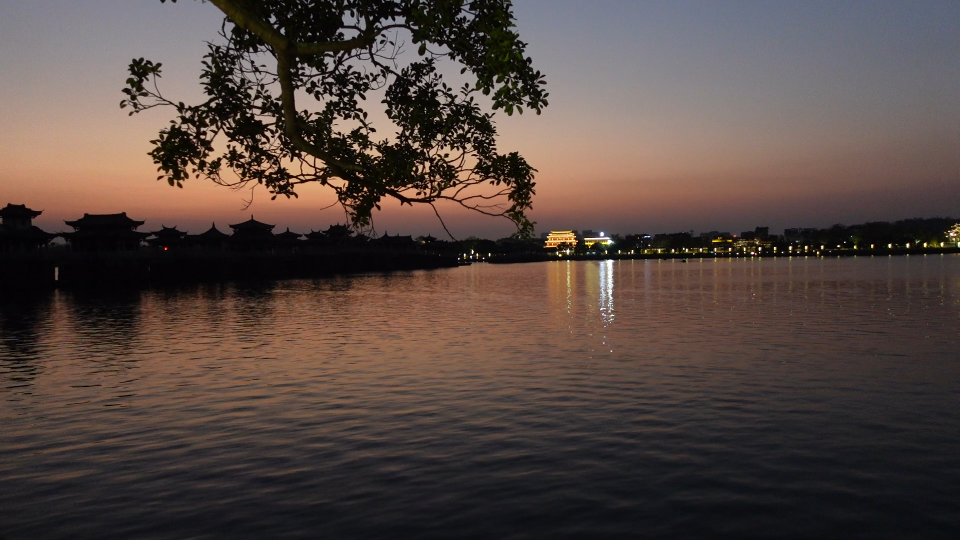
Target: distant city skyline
x,y
663,117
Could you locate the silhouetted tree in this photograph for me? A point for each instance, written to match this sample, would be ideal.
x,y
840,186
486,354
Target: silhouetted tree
x,y
275,55
566,246
581,247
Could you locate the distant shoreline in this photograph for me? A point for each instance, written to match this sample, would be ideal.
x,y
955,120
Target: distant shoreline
x,y
514,259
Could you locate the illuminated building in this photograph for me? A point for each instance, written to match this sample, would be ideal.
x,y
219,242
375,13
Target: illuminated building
x,y
601,239
560,238
722,244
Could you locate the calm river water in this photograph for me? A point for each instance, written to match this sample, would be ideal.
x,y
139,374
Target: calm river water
x,y
781,398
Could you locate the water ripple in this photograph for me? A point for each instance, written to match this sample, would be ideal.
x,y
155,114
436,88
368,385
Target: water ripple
x,y
788,398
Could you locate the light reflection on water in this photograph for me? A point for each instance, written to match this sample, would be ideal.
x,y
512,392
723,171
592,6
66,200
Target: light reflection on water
x,y
789,397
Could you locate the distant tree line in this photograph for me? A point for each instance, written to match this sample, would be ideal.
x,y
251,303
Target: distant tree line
x,y
934,232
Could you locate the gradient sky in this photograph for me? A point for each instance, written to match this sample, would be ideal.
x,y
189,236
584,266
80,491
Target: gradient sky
x,y
663,116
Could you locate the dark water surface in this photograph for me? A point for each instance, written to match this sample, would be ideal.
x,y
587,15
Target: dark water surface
x,y
769,398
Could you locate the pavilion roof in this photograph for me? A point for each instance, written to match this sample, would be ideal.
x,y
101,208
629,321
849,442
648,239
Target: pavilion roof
x,y
18,210
287,235
396,239
105,221
120,234
338,231
169,232
213,233
252,225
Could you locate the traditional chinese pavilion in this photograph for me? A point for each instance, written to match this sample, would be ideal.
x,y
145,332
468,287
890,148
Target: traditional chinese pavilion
x,y
105,232
252,235
288,239
17,231
395,242
338,234
210,240
167,238
316,238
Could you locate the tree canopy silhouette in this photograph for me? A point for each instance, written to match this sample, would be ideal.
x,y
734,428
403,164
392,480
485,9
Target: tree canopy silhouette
x,y
286,89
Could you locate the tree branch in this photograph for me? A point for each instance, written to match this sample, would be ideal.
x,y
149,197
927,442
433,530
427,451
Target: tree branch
x,y
273,37
291,123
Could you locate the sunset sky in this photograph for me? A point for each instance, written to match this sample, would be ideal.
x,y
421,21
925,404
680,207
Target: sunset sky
x,y
663,116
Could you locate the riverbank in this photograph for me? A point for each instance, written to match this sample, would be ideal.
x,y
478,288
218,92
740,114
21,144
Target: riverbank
x,y
60,268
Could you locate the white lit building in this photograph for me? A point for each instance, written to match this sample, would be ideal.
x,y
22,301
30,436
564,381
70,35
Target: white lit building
x,y
601,239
